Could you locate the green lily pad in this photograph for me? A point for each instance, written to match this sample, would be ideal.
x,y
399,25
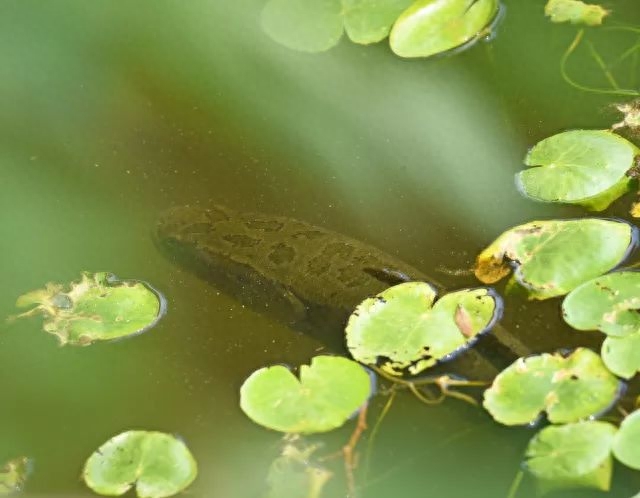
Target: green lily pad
x,y
553,257
157,464
404,332
611,304
572,456
97,308
369,21
586,167
317,25
13,475
626,444
568,388
327,394
575,12
430,27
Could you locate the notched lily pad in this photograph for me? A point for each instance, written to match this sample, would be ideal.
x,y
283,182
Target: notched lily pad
x,y
157,464
585,167
13,475
572,456
568,388
329,391
626,444
551,258
430,27
97,308
404,330
575,12
611,304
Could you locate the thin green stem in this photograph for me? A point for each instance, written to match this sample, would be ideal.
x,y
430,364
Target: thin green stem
x,y
429,401
374,433
607,74
515,485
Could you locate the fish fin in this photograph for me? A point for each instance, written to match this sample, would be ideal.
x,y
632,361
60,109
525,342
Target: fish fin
x,y
388,275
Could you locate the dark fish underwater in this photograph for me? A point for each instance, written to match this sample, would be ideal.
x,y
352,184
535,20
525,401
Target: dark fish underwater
x,y
305,276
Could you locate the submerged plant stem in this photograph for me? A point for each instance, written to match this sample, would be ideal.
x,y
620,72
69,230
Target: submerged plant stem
x,y
515,485
563,71
348,451
598,58
374,432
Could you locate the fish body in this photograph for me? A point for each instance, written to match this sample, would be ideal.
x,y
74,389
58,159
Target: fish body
x,y
306,276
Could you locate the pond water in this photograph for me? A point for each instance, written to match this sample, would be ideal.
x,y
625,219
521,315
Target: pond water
x,y
113,112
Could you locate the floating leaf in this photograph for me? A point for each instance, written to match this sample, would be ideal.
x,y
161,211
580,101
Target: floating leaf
x,y
631,116
626,444
568,388
553,257
586,167
14,474
369,21
157,464
611,304
575,12
430,27
328,392
317,25
574,455
403,331
98,308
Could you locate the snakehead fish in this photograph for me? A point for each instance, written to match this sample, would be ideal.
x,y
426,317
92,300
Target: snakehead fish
x,y
306,276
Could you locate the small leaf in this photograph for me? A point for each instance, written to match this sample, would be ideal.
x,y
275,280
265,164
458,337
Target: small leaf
x,y
98,308
328,392
626,445
369,21
305,25
13,475
573,455
404,332
430,27
553,257
611,304
568,388
586,167
157,464
575,12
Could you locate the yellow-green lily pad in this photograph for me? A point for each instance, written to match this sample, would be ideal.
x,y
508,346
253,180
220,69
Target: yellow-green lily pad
x,y
585,167
329,391
431,27
575,12
97,308
156,464
13,475
551,258
568,388
404,330
611,304
626,444
572,456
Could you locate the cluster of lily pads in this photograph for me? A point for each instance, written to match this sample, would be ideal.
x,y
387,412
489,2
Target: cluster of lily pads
x,y
100,307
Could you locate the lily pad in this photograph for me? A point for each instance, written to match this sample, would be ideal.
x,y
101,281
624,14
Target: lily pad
x,y
569,388
611,304
157,464
13,475
573,455
317,25
327,394
97,308
586,167
575,12
404,332
430,27
551,258
626,444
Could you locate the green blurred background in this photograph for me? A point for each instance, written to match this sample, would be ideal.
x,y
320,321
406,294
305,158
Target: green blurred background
x,y
111,112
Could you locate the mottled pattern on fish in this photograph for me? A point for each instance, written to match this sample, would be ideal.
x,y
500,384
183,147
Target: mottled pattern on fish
x,y
318,266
